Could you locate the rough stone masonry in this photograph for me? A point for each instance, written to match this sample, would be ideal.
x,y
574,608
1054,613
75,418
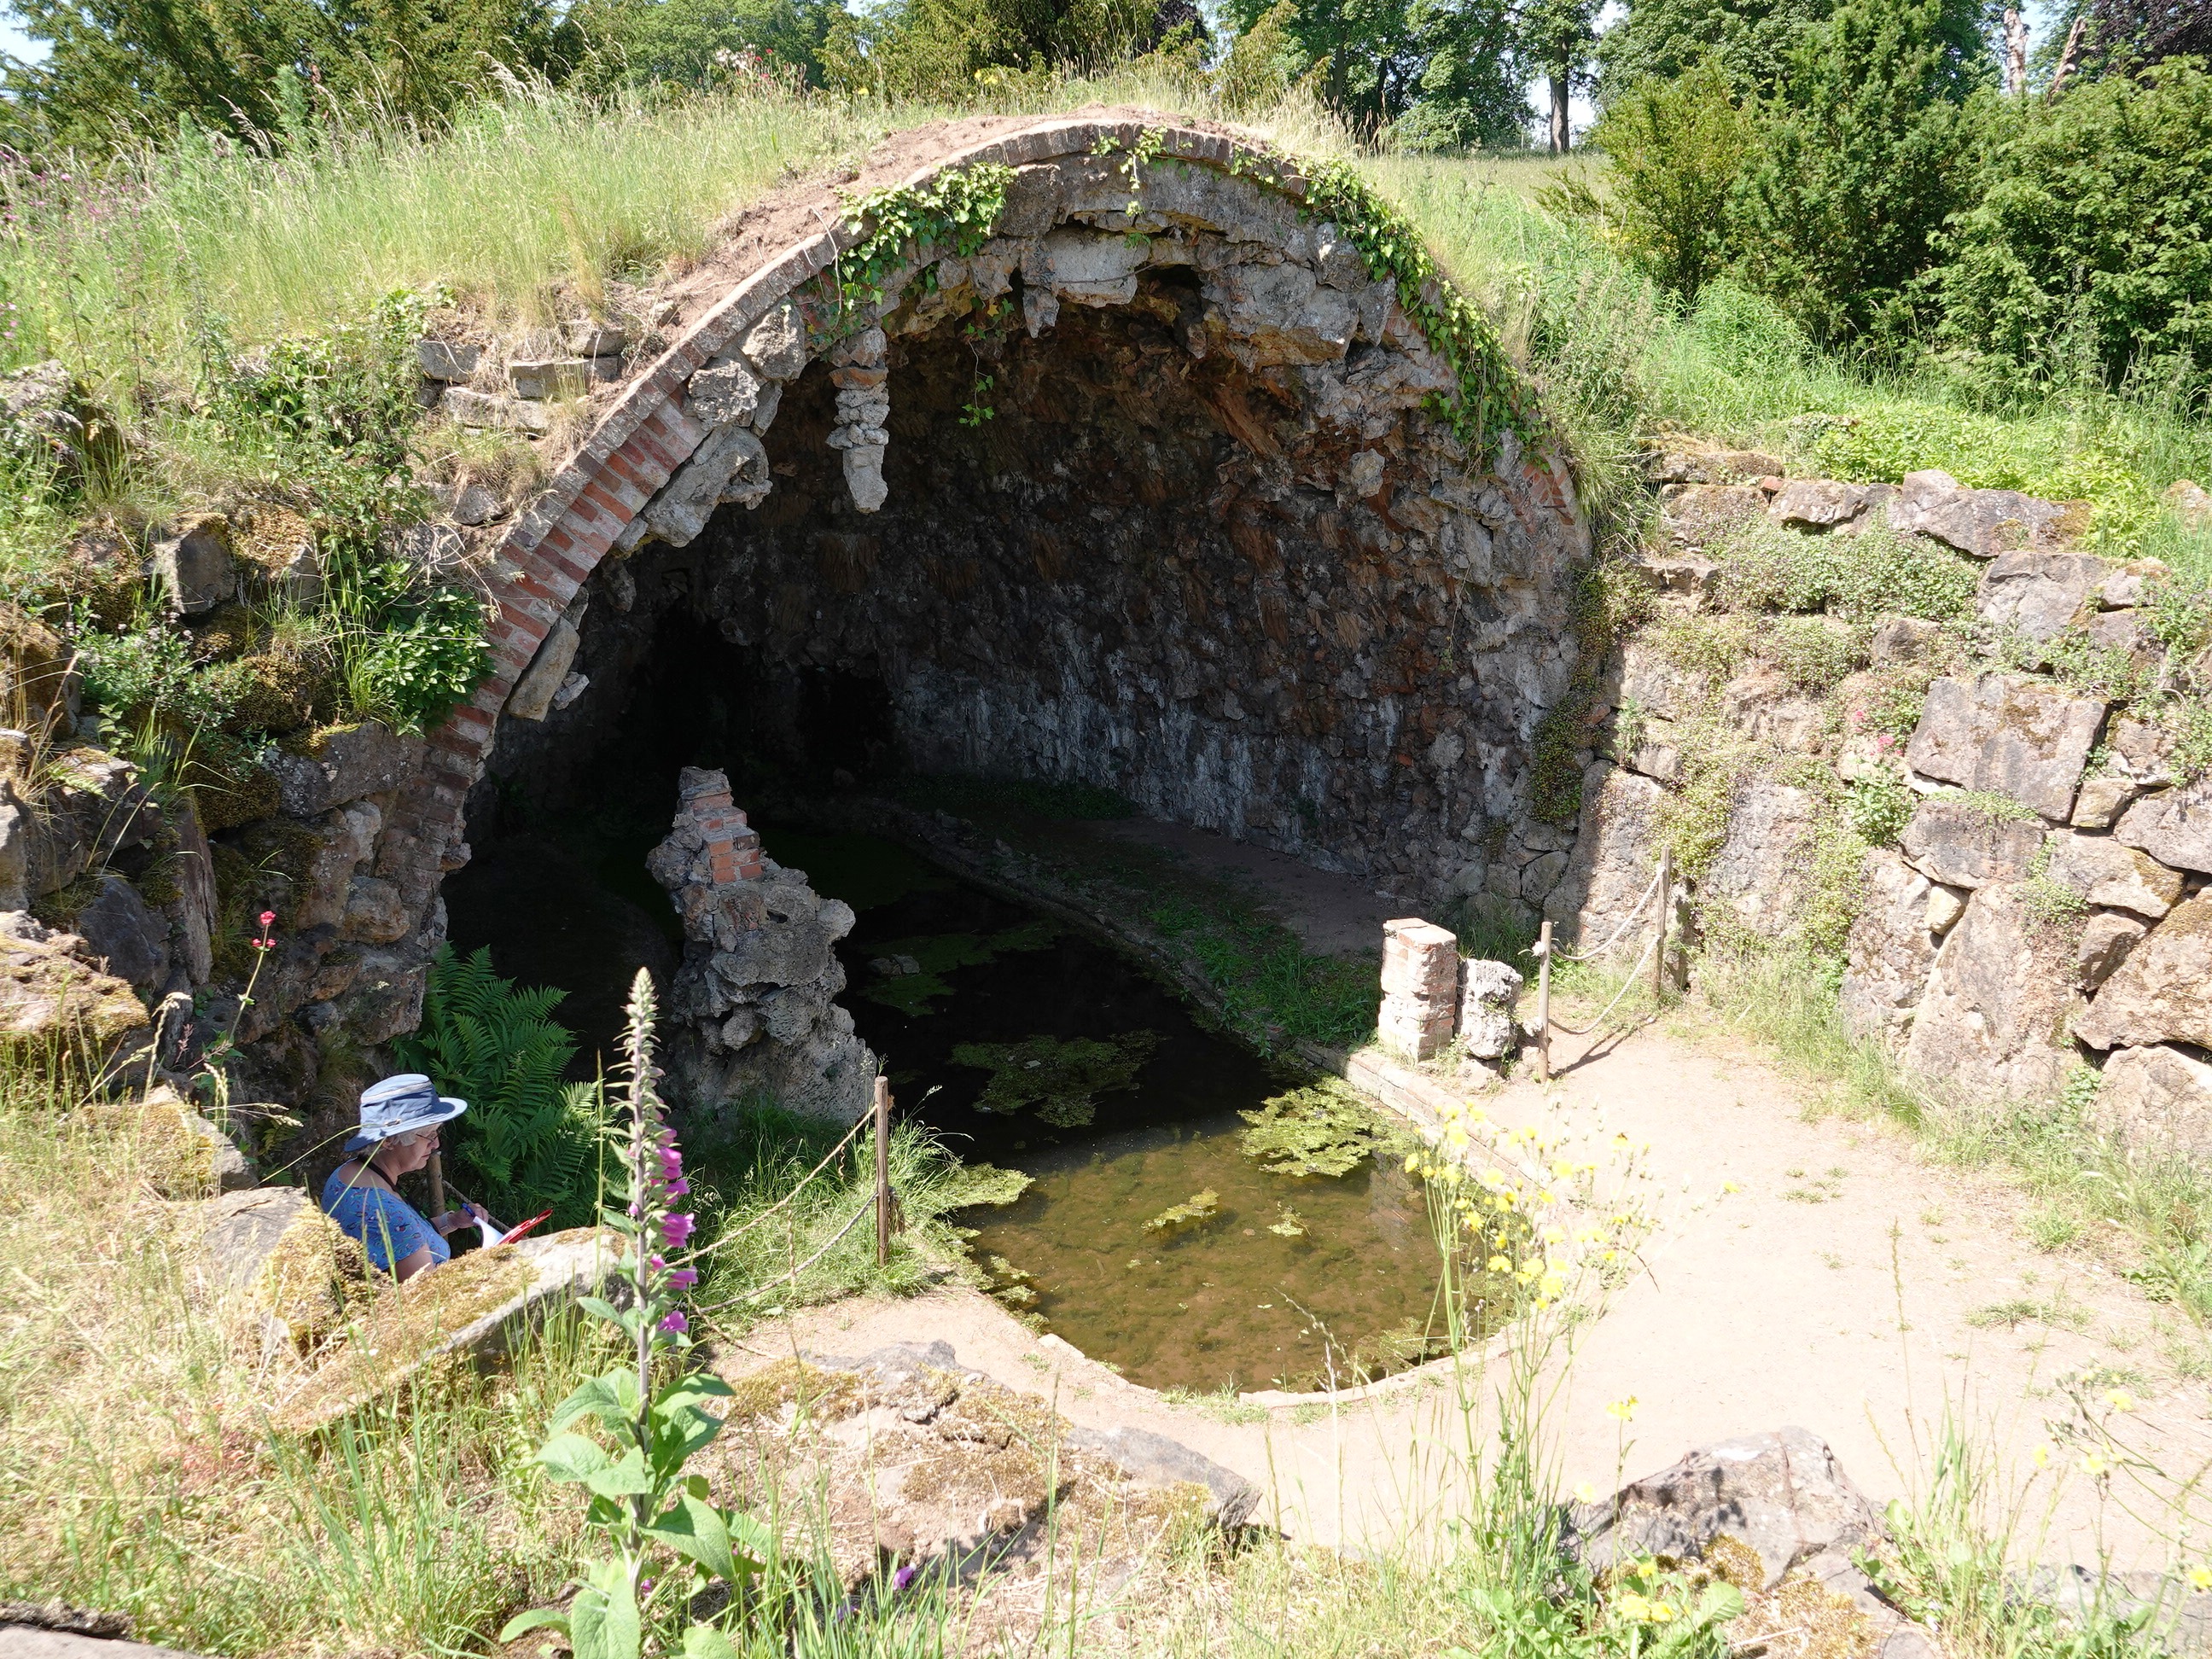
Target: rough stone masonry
x,y
753,1009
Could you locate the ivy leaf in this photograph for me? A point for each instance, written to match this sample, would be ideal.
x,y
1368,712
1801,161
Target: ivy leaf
x,y
603,1623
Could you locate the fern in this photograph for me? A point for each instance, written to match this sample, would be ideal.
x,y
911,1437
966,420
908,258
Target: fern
x,y
528,1140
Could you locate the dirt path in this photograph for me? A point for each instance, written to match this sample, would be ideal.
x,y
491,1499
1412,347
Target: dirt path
x,y
1847,1284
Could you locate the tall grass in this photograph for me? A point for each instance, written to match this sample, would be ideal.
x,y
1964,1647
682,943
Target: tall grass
x,y
134,1452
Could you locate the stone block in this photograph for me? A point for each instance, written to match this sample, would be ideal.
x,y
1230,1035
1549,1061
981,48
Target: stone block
x,y
2162,993
2008,734
2174,826
1905,639
464,407
1992,1020
2101,799
1984,523
192,563
1616,852
547,379
588,337
342,763
1415,1029
1488,992
124,933
730,465
1694,514
776,344
1819,503
447,360
725,394
1891,947
2107,938
2157,1099
1279,314
2109,873
1960,843
2036,596
386,998
534,692
1763,872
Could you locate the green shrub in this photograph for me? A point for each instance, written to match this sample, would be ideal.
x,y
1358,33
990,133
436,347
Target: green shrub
x,y
1860,577
1677,149
528,1140
1878,807
425,652
1862,157
2087,246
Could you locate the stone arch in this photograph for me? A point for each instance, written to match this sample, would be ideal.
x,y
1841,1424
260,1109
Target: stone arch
x,y
1262,287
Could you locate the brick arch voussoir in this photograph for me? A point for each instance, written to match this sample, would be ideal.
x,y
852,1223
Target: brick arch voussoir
x,y
646,436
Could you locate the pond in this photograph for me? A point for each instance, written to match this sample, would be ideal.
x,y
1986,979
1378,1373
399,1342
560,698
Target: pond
x,y
1149,1239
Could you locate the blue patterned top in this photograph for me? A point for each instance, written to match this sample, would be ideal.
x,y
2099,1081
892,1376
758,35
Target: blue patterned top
x,y
381,1219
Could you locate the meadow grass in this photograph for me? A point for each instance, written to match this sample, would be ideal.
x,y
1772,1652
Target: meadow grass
x,y
534,200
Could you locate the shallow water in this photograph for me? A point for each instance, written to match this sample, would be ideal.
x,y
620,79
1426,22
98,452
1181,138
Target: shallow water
x,y
1000,1001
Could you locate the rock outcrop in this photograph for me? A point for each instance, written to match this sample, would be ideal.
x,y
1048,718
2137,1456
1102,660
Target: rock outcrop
x,y
753,1008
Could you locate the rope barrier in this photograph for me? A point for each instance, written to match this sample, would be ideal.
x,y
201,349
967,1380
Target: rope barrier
x,y
792,1276
1625,985
1635,911
738,1233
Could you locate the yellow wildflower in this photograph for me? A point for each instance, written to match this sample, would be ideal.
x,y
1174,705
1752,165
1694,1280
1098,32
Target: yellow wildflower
x,y
1586,1494
2200,1578
2119,1400
2041,1457
2094,1467
1731,1187
1623,1409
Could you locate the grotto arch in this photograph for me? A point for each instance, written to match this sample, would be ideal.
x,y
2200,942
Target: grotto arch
x,y
1217,545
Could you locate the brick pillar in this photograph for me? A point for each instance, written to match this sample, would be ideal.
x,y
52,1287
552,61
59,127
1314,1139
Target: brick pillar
x,y
733,851
1421,986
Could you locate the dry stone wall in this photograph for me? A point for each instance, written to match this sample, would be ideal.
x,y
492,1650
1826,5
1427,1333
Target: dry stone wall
x,y
1983,812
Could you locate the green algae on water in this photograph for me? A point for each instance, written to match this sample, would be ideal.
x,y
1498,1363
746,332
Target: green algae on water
x,y
909,973
1056,1078
1325,1128
1193,1212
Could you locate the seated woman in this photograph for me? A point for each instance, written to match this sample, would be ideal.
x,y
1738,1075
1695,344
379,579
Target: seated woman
x,y
399,1119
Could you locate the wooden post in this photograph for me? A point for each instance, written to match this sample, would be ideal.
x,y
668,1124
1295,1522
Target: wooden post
x,y
1544,1002
437,1171
1665,905
883,1172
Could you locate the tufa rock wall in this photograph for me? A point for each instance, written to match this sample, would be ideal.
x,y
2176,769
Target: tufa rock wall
x,y
753,1009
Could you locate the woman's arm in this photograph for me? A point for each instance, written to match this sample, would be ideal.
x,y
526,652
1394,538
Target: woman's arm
x,y
408,1266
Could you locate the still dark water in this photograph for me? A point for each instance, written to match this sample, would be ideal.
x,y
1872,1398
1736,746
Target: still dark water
x,y
1035,1047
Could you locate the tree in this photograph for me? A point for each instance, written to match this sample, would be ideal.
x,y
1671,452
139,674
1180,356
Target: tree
x,y
1558,41
1363,57
117,69
1862,157
1470,93
2089,239
1751,40
2094,37
940,48
1676,151
682,42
